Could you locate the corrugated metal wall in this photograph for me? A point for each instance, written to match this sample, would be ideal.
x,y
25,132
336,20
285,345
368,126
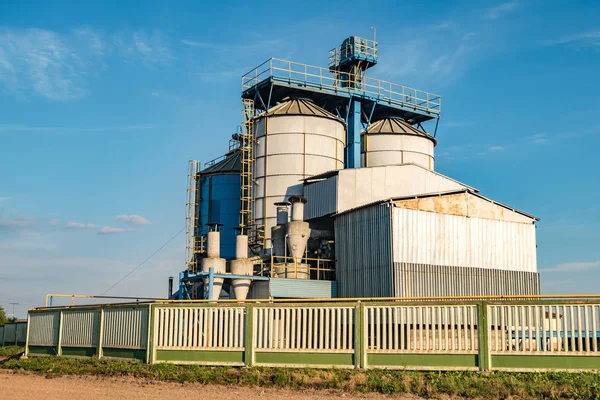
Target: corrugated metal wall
x,y
125,328
21,332
43,328
298,288
79,328
322,198
422,237
419,280
363,251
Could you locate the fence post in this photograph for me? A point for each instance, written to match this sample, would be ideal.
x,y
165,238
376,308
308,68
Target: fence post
x,y
483,336
360,357
249,333
27,335
100,332
151,334
59,343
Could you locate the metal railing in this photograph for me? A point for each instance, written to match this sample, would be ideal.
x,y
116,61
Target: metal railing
x,y
290,267
552,328
194,328
527,335
438,329
365,48
319,78
304,329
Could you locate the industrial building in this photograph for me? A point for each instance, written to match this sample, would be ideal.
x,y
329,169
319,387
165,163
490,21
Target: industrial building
x,y
329,190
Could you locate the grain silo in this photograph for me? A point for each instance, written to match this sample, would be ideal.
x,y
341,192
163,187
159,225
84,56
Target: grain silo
x,y
294,139
392,141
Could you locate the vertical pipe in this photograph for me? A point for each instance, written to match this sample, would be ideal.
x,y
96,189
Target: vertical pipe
x,y
353,135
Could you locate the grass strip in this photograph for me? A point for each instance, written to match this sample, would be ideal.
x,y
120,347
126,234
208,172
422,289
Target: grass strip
x,y
547,385
11,350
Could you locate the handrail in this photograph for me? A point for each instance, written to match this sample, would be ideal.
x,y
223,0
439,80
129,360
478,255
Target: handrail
x,y
340,300
319,77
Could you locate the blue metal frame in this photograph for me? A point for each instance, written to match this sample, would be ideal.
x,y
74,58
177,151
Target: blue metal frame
x,y
185,277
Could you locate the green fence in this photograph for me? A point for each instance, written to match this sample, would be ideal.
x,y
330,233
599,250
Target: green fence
x,y
434,335
13,334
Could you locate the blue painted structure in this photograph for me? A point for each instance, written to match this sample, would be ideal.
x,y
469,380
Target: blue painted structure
x,y
219,200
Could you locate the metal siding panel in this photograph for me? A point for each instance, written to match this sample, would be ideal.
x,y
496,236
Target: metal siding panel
x,y
220,193
44,328
422,280
322,198
297,288
422,237
363,252
21,332
125,328
79,328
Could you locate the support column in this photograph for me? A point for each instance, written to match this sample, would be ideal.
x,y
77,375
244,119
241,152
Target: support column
x,y
181,286
353,135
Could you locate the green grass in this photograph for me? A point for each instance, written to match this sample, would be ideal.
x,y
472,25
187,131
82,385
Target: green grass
x,y
551,385
11,350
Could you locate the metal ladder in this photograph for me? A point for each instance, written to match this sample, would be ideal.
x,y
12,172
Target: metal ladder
x,y
195,244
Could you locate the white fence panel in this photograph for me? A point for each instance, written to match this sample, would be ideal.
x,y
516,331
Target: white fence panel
x,y
565,329
197,328
304,329
421,329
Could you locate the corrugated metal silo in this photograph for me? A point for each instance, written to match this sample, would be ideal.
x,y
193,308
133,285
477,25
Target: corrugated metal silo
x,y
392,141
219,200
294,140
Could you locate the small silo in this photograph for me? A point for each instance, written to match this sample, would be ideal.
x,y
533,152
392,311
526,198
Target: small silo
x,y
294,140
218,200
393,141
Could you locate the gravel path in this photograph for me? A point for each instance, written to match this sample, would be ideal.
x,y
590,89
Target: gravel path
x,y
28,386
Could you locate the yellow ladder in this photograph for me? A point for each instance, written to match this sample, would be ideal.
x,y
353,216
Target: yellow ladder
x,y
192,217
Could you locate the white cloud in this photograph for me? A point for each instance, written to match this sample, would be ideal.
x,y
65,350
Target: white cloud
x,y
194,43
493,149
107,230
53,222
16,222
41,61
584,39
56,66
151,48
133,219
539,139
573,266
500,10
79,225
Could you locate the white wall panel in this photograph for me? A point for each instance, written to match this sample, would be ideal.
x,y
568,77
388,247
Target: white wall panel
x,y
421,237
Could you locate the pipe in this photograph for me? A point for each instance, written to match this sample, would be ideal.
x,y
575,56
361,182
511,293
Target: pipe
x,y
282,212
298,207
213,262
241,266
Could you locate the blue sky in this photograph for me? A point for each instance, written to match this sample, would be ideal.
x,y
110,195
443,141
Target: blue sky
x,y
102,105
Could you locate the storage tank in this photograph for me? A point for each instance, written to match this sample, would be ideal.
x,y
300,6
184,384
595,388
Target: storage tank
x,y
392,141
219,200
294,140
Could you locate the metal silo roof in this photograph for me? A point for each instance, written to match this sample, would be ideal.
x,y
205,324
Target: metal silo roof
x,y
298,107
396,126
232,163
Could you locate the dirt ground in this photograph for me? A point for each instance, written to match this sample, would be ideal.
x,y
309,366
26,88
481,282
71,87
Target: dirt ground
x,y
28,386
